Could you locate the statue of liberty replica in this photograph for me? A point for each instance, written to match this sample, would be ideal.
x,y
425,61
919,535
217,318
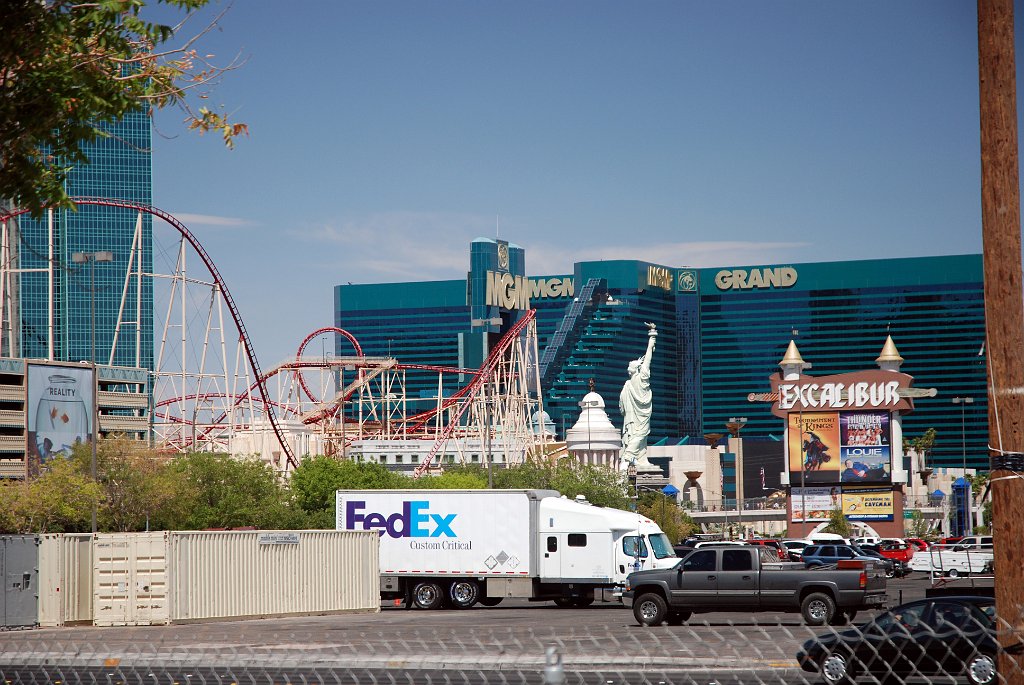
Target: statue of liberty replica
x,y
636,402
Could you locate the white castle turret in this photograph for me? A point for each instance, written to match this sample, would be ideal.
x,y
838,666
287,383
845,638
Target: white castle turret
x,y
593,439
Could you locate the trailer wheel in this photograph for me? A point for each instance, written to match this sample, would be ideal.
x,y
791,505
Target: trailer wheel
x,y
428,595
817,609
650,609
583,602
563,602
953,573
464,593
490,601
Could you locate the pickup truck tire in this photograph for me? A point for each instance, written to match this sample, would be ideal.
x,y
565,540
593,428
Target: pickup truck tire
x,y
428,595
463,593
650,609
837,668
817,609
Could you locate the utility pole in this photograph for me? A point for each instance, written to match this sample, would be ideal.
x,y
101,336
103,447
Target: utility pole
x,y
1004,317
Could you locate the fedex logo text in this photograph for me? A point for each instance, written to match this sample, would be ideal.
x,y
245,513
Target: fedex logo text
x,y
412,522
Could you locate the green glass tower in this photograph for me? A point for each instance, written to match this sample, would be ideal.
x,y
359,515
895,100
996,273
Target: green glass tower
x,y
119,168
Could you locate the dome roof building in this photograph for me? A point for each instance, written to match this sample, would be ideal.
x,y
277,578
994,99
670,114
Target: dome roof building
x,y
593,439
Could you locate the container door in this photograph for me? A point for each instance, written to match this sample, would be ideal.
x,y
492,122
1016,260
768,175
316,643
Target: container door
x,y
18,568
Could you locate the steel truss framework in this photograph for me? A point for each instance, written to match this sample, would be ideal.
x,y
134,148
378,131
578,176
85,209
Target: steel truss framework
x,y
210,393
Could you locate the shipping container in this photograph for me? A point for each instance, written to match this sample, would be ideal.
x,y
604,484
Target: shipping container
x,y
19,564
243,574
65,579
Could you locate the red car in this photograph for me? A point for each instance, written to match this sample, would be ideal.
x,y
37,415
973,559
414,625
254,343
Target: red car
x,y
918,543
950,541
893,549
774,544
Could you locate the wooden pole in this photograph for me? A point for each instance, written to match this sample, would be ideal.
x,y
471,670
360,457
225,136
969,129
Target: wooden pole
x,y
1004,315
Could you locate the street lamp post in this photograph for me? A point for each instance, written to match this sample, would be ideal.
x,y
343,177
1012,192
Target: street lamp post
x,y
91,258
963,402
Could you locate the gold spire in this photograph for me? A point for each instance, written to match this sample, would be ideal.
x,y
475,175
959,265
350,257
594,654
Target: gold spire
x,y
889,352
792,355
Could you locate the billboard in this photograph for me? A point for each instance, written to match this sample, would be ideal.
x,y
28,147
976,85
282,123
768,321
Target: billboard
x,y
813,439
832,447
868,504
818,503
866,452
59,410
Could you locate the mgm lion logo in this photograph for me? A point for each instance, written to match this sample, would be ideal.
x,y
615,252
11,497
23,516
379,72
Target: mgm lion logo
x,y
687,280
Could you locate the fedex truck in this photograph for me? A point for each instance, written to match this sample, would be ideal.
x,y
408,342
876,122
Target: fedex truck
x,y
459,548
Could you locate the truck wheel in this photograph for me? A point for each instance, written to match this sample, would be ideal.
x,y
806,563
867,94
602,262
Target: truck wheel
x,y
836,669
583,602
817,609
650,609
463,593
490,601
563,603
428,595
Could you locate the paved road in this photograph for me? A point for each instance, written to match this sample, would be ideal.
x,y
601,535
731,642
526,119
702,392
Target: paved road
x,y
501,644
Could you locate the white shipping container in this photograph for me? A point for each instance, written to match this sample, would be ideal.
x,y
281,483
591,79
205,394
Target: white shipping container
x,y
240,574
65,579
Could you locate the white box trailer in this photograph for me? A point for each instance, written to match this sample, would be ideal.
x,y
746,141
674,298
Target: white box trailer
x,y
463,547
951,561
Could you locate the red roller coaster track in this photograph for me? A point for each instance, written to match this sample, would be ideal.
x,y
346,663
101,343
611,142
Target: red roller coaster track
x,y
208,261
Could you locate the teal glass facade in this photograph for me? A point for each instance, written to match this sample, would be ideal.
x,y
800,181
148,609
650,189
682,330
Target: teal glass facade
x,y
119,168
722,332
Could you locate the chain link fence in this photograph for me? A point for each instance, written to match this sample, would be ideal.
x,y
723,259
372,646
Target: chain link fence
x,y
936,640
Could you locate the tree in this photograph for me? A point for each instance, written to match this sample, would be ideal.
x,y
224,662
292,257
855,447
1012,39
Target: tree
x,y
314,482
69,68
922,444
136,481
670,517
222,492
60,500
838,524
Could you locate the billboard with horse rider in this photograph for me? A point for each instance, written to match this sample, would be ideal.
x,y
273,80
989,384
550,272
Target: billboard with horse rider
x,y
834,447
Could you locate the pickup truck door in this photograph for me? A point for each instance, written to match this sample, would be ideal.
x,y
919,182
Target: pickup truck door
x,y
698,579
737,581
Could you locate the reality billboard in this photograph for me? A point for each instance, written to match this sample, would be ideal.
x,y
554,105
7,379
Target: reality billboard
x,y
60,410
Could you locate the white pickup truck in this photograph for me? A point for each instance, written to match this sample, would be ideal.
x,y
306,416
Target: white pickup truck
x,y
969,555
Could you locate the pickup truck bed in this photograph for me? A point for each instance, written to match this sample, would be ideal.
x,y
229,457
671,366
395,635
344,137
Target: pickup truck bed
x,y
741,579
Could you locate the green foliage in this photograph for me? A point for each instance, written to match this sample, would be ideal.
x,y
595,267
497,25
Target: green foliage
x,y
68,68
922,444
918,524
599,486
60,500
314,482
221,492
670,517
838,524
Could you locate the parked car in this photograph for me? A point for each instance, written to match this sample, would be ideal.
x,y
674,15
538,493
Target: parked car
x,y
918,543
773,544
896,549
888,565
974,543
822,555
795,548
936,636
866,541
950,540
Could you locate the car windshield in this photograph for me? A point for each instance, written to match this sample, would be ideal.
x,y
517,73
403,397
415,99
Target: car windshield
x,y
661,546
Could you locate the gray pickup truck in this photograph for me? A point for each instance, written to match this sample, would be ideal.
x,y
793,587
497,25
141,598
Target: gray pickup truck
x,y
739,578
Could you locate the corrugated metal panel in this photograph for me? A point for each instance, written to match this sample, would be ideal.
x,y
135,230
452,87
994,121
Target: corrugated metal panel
x,y
65,579
130,579
226,574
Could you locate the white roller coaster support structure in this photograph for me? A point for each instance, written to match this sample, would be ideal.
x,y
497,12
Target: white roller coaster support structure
x,y
202,399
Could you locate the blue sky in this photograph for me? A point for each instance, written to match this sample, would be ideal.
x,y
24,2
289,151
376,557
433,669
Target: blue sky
x,y
386,135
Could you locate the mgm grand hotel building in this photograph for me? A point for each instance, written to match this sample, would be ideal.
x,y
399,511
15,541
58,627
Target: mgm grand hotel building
x,y
721,332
